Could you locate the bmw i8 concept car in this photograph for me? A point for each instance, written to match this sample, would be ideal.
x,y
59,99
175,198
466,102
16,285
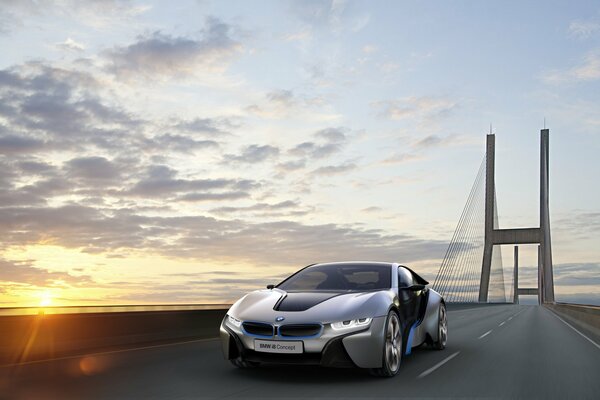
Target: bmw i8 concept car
x,y
344,314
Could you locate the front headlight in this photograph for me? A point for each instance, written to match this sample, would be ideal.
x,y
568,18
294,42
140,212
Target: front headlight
x,y
234,321
351,323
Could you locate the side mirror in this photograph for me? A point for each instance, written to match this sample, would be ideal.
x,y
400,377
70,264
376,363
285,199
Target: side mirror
x,y
270,286
413,288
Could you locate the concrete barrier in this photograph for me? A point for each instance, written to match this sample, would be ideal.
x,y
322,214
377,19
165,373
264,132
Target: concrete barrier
x,y
34,337
585,318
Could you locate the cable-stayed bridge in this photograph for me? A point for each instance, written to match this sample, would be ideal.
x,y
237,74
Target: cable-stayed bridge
x,y
472,268
502,350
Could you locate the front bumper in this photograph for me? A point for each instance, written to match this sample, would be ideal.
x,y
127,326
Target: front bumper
x,y
361,348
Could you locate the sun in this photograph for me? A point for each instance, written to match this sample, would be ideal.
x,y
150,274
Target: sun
x,y
45,299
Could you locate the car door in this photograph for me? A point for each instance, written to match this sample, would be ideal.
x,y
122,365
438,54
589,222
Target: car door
x,y
409,300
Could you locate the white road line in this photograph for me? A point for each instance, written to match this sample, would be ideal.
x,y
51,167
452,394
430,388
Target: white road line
x,y
436,366
575,329
509,318
485,334
519,313
502,323
103,353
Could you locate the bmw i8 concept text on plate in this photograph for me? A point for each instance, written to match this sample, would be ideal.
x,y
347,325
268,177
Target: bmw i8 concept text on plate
x,y
363,314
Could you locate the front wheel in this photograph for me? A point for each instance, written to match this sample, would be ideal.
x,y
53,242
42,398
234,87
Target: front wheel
x,y
442,328
392,348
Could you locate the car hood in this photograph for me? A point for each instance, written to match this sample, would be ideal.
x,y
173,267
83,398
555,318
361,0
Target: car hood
x,y
304,307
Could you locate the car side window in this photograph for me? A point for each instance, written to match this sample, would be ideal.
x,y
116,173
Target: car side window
x,y
404,277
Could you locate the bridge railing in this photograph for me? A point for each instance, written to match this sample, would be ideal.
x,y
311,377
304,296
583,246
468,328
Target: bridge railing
x,y
49,335
583,317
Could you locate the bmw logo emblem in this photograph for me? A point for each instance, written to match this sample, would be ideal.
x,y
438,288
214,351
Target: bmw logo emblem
x,y
279,319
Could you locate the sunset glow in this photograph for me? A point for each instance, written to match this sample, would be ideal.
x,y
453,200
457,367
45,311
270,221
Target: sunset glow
x,y
188,152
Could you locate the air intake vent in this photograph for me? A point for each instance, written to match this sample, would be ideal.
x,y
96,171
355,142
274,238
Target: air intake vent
x,y
299,330
257,328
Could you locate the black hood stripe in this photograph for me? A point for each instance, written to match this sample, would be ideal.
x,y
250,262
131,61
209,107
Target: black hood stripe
x,y
302,301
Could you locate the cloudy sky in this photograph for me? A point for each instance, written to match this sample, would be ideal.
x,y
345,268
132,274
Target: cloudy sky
x,y
185,152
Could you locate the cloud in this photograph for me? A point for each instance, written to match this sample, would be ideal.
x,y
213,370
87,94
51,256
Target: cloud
x,y
415,150
34,194
252,154
161,182
36,167
587,70
70,45
336,15
401,158
302,35
331,170
328,142
281,209
290,166
583,29
208,126
282,103
196,197
369,49
99,14
419,109
196,237
313,150
182,144
22,272
277,104
580,224
332,135
372,209
52,109
163,56
282,98
12,144
431,141
93,169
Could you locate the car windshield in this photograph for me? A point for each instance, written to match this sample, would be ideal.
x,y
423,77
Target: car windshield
x,y
340,277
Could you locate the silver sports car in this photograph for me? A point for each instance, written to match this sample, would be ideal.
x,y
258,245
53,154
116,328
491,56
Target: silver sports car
x,y
363,314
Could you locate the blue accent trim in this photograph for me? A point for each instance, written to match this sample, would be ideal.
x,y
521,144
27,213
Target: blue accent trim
x,y
254,334
410,337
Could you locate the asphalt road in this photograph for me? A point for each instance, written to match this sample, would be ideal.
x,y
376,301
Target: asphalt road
x,y
502,351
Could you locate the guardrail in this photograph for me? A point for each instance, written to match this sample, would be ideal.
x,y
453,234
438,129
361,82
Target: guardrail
x,y
34,337
586,318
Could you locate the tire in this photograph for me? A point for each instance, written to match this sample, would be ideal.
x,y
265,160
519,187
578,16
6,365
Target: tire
x,y
442,328
392,347
241,363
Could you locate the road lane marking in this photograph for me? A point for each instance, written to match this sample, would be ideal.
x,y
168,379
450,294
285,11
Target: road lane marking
x,y
575,329
436,366
104,353
502,323
518,313
485,334
509,318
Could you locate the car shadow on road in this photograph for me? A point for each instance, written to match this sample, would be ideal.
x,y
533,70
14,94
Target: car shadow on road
x,y
315,374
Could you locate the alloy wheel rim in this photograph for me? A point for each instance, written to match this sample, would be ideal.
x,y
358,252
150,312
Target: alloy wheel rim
x,y
443,326
393,343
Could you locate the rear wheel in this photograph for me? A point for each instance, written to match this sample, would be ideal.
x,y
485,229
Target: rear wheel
x,y
392,348
241,363
442,328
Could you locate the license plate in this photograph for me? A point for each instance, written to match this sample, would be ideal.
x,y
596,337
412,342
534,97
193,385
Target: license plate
x,y
274,346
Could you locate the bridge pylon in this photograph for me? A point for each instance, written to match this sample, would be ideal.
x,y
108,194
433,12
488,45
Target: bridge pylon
x,y
537,235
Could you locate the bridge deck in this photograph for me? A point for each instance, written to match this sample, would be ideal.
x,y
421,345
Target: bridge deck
x,y
499,351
